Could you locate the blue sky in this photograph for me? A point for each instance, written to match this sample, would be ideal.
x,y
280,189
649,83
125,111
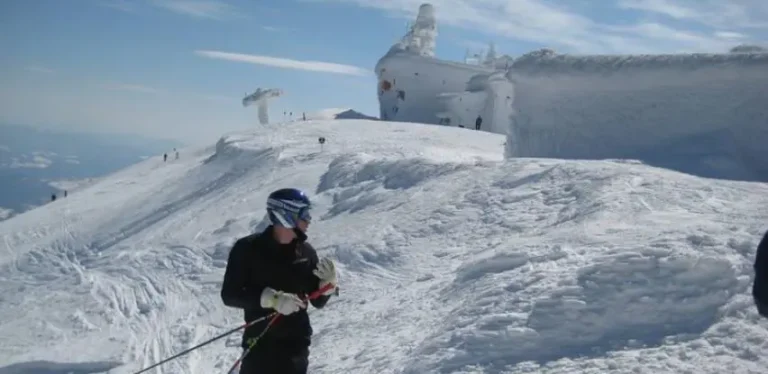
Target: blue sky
x,y
179,68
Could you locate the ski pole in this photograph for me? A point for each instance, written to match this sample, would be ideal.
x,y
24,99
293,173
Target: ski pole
x,y
274,320
243,326
252,344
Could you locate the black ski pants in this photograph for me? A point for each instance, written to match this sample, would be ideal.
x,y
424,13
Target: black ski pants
x,y
274,361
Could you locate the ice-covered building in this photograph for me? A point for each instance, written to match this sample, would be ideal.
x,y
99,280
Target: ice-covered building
x,y
701,113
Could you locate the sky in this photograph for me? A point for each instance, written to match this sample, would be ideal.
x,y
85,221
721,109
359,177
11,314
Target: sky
x,y
179,68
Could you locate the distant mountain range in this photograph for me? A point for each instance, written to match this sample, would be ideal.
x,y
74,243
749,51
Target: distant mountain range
x,y
35,163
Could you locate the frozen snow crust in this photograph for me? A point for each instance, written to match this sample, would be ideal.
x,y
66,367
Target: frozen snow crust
x,y
452,260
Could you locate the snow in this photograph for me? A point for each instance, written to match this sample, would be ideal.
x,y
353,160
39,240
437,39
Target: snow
x,y
698,113
452,260
71,185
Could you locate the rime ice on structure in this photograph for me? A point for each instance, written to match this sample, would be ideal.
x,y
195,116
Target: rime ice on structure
x,y
421,36
261,98
656,108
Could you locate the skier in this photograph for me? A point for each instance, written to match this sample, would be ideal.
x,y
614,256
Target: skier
x,y
478,122
272,271
760,286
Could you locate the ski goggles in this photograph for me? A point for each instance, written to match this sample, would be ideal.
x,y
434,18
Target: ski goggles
x,y
304,215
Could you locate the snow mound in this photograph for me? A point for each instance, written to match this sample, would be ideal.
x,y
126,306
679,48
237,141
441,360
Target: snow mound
x,y
451,259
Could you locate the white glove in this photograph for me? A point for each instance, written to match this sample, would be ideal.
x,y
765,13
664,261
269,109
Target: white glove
x,y
326,272
284,303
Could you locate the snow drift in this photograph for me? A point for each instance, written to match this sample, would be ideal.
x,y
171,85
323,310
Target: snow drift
x,y
452,260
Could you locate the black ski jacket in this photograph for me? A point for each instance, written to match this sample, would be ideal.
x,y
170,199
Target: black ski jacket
x,y
760,287
257,261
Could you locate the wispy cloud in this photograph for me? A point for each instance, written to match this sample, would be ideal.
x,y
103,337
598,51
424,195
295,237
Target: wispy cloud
x,y
30,162
729,35
582,27
714,13
131,88
211,9
317,66
38,69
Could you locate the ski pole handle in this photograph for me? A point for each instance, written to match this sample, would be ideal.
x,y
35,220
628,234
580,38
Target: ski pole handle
x,y
319,292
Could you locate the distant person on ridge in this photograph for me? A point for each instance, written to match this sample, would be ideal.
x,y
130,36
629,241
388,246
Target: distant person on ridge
x,y
165,157
760,287
273,271
478,122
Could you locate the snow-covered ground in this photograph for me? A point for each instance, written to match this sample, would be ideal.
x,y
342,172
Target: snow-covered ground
x,y
452,260
72,184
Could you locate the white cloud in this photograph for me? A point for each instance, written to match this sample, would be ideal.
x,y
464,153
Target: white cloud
x,y
36,162
38,69
317,66
729,35
211,9
5,213
659,6
713,13
568,26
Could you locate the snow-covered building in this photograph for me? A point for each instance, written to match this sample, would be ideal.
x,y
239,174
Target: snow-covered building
x,y
656,108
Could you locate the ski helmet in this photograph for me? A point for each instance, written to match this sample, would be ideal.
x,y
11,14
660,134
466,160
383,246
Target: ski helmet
x,y
287,206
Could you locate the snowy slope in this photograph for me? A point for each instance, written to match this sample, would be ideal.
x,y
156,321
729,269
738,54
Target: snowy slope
x,y
452,260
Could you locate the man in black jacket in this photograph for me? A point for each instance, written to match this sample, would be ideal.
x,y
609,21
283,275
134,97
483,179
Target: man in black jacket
x,y
275,270
760,287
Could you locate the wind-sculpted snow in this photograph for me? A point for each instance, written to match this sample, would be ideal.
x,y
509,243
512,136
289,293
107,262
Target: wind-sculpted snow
x,y
451,259
44,367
